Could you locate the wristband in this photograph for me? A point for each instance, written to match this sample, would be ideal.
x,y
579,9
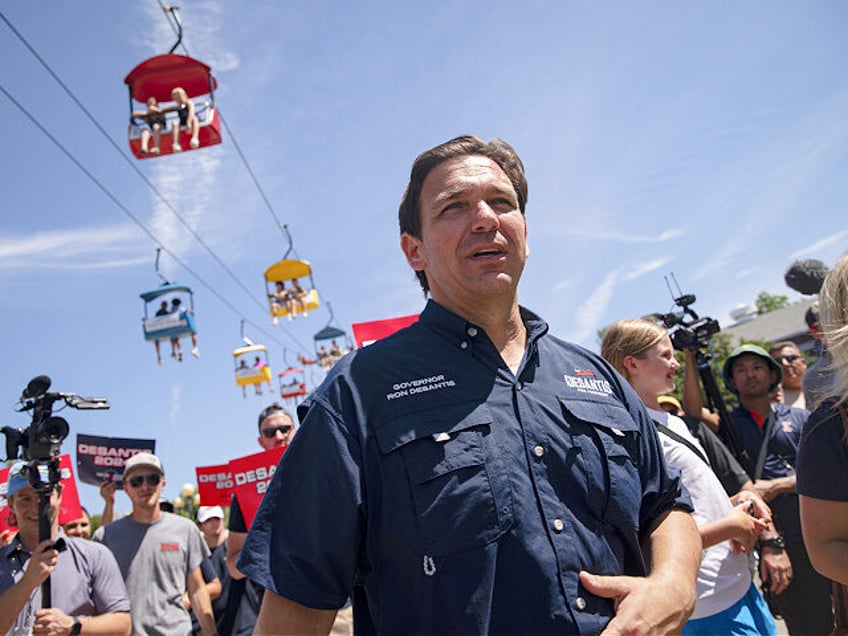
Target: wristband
x,y
773,542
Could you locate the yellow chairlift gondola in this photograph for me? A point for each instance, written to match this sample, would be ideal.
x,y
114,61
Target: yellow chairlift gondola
x,y
287,296
251,366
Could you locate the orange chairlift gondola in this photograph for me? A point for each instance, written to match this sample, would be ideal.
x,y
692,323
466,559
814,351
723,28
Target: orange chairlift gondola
x,y
292,381
286,296
251,365
156,81
328,356
170,322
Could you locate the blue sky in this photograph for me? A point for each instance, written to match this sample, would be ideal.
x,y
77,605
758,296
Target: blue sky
x,y
709,140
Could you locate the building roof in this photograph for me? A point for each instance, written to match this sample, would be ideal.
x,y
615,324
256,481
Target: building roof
x,y
782,324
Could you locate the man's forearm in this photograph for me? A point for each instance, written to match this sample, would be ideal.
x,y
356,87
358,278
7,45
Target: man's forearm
x,y
282,616
673,552
200,603
113,623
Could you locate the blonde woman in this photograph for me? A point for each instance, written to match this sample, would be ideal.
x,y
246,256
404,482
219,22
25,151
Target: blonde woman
x,y
822,480
188,119
728,601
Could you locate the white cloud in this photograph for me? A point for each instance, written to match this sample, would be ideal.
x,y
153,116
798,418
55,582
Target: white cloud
x,y
645,268
88,248
617,237
561,285
590,312
187,183
176,402
819,246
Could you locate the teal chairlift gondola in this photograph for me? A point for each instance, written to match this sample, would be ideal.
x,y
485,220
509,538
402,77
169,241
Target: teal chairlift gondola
x,y
169,322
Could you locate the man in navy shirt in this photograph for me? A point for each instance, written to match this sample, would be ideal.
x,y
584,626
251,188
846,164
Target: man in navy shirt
x,y
770,434
473,473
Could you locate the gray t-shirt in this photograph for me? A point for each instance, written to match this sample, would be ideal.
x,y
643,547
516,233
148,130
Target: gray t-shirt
x,y
154,560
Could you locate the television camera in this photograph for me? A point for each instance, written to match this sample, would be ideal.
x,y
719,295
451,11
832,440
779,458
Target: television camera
x,y
39,444
688,331
42,439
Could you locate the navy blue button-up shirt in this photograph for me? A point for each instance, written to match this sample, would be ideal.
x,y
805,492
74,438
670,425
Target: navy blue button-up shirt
x,y
463,498
784,438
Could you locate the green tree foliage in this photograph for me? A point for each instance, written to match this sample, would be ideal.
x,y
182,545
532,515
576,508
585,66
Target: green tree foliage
x,y
770,302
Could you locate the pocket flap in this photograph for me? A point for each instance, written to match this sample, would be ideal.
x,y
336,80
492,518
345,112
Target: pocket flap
x,y
451,419
610,415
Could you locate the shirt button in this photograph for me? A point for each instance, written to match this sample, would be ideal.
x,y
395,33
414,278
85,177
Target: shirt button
x,y
580,603
472,331
519,385
538,451
463,345
558,526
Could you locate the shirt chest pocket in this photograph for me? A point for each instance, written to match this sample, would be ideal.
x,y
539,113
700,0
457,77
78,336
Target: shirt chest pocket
x,y
447,457
607,437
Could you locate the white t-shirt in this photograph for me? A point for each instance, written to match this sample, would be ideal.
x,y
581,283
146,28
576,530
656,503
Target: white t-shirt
x,y
724,577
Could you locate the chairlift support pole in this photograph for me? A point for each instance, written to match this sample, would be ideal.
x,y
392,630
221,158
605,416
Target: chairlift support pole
x,y
159,273
174,11
285,229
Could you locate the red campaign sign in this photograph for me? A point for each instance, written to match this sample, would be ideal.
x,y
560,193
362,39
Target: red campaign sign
x,y
367,332
70,509
7,521
251,476
214,485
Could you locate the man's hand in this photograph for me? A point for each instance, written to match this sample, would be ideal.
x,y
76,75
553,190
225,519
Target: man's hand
x,y
107,491
643,605
771,488
747,528
775,569
41,564
52,622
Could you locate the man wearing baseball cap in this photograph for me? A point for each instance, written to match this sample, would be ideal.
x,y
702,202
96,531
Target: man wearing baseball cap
x,y
770,434
159,554
87,593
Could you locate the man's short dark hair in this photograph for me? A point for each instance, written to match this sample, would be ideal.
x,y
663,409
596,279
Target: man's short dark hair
x,y
409,213
812,315
777,346
270,410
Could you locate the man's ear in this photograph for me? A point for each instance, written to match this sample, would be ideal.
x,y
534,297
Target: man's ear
x,y
413,249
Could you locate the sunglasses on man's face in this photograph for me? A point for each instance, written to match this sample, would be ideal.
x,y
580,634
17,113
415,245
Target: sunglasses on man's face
x,y
152,479
788,359
271,431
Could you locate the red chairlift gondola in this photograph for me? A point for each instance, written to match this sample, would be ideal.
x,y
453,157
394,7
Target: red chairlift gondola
x,y
157,78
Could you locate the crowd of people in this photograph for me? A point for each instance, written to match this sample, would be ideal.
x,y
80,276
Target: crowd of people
x,y
473,473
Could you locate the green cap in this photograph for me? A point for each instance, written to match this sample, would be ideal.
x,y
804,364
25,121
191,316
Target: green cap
x,y
757,351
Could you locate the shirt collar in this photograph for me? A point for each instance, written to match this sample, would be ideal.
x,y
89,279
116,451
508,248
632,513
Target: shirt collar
x,y
458,328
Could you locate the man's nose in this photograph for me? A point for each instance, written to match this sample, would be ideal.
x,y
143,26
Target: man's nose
x,y
485,219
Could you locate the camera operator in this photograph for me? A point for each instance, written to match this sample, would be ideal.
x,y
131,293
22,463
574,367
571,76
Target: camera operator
x,y
770,433
88,593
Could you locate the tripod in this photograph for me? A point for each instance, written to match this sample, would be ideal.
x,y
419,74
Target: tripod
x,y
716,402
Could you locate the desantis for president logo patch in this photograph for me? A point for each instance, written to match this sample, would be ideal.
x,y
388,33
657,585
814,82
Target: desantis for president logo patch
x,y
584,381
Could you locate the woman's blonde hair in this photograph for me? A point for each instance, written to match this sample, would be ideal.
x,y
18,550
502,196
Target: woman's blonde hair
x,y
179,90
629,338
834,320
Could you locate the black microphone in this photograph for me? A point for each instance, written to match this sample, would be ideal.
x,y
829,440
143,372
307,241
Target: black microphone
x,y
806,276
